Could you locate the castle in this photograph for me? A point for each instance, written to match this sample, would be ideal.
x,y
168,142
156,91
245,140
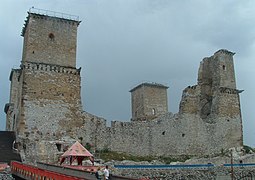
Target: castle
x,y
45,108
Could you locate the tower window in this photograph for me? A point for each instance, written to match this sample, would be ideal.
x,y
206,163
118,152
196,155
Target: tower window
x,y
224,67
51,36
59,146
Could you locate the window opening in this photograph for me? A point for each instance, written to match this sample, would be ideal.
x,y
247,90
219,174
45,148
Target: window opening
x,y
224,67
51,36
153,111
59,146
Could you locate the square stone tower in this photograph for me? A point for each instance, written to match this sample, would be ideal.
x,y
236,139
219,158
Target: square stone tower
x,y
148,100
45,102
50,39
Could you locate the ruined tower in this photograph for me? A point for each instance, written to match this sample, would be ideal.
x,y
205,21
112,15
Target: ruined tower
x,y
215,93
45,98
148,100
215,100
216,79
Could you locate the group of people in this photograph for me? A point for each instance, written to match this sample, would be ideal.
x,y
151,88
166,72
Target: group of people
x,y
103,174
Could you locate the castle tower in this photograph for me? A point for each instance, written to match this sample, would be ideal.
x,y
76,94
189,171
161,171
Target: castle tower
x,y
148,100
45,100
218,70
216,77
50,39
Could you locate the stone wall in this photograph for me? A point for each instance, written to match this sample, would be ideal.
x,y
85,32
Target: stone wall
x,y
169,135
45,106
11,108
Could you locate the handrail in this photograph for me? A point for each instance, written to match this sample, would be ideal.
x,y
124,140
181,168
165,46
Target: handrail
x,y
164,166
53,14
32,172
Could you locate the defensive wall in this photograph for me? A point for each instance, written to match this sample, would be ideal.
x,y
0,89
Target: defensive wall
x,y
45,108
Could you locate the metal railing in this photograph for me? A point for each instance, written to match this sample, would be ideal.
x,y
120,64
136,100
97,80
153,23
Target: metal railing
x,y
164,166
53,14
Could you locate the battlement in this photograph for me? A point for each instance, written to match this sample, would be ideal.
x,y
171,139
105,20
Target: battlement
x,y
50,67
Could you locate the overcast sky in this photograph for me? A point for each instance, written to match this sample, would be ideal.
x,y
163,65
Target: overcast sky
x,y
122,43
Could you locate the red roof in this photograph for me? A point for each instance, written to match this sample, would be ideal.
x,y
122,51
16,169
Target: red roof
x,y
77,150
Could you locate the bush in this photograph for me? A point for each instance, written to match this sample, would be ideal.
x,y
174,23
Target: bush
x,y
248,149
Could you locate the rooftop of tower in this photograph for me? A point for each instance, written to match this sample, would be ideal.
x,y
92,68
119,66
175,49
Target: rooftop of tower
x,y
150,84
48,13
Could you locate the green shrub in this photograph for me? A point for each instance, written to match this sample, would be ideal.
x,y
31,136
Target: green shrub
x,y
248,149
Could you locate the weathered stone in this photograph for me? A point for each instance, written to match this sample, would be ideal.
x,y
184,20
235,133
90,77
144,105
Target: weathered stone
x,y
45,107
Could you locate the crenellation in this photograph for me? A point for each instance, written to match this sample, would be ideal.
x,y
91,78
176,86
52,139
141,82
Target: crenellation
x,y
49,67
229,90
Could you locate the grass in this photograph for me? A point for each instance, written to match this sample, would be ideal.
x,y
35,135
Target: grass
x,y
107,155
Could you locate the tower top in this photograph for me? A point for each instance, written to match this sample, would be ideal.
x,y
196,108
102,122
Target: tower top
x,y
224,51
150,84
50,38
50,14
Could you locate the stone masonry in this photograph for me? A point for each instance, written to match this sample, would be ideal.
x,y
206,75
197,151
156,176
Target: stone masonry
x,y
149,100
45,108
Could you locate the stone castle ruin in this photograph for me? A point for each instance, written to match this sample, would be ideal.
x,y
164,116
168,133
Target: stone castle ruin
x,y
45,108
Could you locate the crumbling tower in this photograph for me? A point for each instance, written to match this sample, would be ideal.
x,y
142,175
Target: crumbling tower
x,y
216,78
148,100
45,98
215,100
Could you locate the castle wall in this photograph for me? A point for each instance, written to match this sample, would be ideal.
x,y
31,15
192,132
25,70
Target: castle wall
x,y
12,107
170,135
45,106
190,100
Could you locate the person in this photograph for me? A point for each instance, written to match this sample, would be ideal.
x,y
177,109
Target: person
x,y
106,173
99,173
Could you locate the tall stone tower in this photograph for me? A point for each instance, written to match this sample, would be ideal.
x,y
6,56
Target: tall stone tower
x,y
216,78
45,101
215,93
148,101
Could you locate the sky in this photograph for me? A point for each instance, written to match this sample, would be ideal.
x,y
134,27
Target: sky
x,y
122,43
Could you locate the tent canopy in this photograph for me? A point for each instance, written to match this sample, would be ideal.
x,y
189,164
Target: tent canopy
x,y
77,150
